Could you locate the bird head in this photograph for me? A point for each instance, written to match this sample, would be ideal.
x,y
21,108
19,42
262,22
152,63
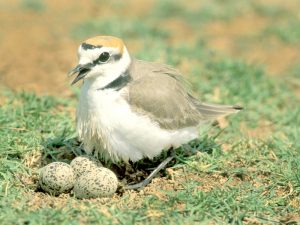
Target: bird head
x,y
101,56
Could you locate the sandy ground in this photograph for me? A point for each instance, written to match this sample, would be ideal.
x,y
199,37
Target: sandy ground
x,y
37,49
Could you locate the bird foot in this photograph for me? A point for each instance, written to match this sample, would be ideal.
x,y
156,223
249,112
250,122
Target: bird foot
x,y
145,182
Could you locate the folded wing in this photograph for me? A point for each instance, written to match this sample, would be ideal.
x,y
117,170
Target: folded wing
x,y
158,91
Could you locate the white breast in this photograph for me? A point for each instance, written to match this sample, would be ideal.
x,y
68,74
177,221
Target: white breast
x,y
106,124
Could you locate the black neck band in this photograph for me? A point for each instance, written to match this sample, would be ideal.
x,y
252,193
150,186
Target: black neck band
x,y
120,82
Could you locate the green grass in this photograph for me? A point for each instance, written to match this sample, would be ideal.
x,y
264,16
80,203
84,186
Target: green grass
x,y
287,32
33,5
256,178
131,28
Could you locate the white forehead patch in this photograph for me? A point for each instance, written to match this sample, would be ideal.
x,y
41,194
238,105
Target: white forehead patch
x,y
89,55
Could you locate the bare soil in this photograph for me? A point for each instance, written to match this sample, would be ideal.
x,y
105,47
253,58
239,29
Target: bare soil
x,y
37,51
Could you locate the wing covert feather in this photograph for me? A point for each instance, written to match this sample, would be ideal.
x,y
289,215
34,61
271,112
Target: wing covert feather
x,y
156,91
160,92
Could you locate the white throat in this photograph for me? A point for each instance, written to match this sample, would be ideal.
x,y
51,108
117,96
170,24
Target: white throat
x,y
109,72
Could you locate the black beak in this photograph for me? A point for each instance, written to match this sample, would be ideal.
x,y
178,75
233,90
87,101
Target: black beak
x,y
82,70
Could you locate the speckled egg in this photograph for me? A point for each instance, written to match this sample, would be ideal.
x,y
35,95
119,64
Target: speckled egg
x,y
57,178
82,164
100,182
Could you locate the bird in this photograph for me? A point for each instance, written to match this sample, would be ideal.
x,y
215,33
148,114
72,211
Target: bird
x,y
131,109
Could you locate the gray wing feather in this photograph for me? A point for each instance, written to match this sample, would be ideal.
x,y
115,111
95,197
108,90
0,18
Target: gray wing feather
x,y
159,92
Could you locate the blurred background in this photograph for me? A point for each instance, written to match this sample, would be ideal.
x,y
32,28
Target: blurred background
x,y
39,39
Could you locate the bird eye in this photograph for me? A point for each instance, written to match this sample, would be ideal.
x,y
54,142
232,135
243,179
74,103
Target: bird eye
x,y
104,57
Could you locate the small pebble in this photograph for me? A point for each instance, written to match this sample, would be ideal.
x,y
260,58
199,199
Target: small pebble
x,y
99,182
82,164
56,178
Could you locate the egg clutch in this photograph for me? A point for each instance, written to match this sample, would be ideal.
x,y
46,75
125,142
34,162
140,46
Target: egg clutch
x,y
85,176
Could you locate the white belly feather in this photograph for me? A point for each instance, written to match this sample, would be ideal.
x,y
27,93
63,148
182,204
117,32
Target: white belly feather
x,y
106,123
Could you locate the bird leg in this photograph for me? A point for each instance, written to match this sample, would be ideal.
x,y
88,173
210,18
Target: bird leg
x,y
145,182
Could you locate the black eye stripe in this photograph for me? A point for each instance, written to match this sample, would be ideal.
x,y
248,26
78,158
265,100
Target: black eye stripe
x,y
86,46
99,60
104,57
116,57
